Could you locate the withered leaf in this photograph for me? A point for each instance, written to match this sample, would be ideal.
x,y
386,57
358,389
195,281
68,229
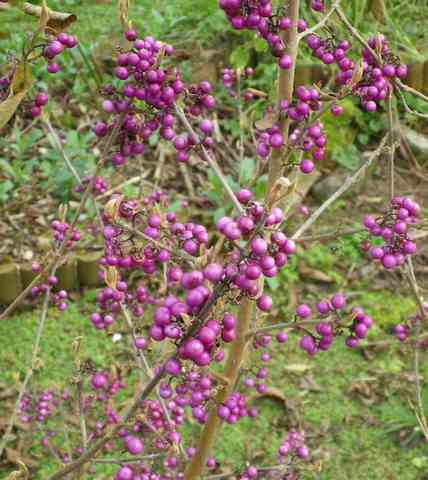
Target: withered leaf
x,y
20,85
268,121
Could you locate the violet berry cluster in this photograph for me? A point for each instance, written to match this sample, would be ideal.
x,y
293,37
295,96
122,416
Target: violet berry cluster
x,y
54,47
61,230
268,22
293,445
307,138
393,230
149,86
403,330
335,321
374,81
231,82
100,185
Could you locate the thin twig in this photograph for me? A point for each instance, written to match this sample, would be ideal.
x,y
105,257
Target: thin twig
x,y
420,415
346,185
320,24
121,461
330,235
60,148
282,325
30,371
237,474
210,160
138,179
391,143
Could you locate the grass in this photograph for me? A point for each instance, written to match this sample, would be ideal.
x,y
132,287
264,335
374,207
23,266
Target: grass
x,y
353,435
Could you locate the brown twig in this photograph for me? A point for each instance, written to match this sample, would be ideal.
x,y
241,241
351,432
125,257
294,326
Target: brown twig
x,y
391,143
30,371
346,185
420,415
210,160
329,235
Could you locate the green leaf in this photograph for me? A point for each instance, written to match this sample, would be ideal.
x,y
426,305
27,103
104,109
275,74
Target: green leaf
x,y
7,167
220,212
246,170
5,187
260,45
363,138
240,57
273,283
347,156
420,462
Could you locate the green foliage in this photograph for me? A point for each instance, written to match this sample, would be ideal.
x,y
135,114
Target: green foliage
x,y
387,308
245,175
15,164
319,389
57,177
347,132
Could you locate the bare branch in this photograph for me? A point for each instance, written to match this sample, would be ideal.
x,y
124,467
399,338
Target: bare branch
x,y
211,162
346,185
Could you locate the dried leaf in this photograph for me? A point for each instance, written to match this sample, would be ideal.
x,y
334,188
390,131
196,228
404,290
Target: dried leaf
x,y
271,393
298,367
314,274
111,276
20,85
268,121
123,13
21,474
56,21
358,73
111,208
257,93
21,79
44,17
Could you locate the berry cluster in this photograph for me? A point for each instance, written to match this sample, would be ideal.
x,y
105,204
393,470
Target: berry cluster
x,y
373,83
55,47
52,49
235,408
193,390
403,330
335,321
58,299
232,79
392,229
100,185
259,15
294,444
145,100
308,138
40,101
60,231
39,407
